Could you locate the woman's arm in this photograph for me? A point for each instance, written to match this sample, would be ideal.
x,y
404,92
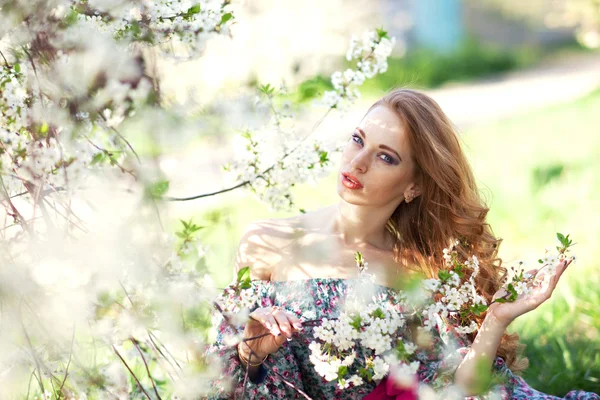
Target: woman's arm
x,y
480,357
499,315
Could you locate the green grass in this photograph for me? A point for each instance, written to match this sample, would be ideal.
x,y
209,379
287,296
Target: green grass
x,y
541,174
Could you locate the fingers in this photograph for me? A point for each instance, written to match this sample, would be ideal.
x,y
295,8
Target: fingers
x,y
532,272
284,323
562,266
277,321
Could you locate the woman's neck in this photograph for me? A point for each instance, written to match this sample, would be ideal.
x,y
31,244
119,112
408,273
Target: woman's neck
x,y
360,225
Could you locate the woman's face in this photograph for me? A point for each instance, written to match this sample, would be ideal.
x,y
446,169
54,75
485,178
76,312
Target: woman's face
x,y
378,157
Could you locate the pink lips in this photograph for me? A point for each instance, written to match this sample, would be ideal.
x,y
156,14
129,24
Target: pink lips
x,y
350,181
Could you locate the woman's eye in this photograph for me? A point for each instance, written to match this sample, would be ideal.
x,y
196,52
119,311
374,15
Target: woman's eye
x,y
356,138
387,159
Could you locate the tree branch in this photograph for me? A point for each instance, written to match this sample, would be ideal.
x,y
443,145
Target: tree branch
x,y
69,362
131,372
258,176
134,341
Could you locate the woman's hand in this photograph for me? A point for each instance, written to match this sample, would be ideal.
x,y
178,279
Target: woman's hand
x,y
279,323
509,311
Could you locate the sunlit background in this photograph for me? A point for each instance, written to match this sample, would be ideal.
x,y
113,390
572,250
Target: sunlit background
x,y
519,79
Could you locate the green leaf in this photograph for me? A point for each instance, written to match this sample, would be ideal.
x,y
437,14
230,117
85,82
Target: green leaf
x,y
382,34
180,234
195,9
323,157
443,275
477,309
267,89
458,270
540,261
244,274
247,135
366,374
245,285
158,189
195,228
17,68
378,313
226,17
358,257
342,371
401,351
98,157
356,322
561,238
513,292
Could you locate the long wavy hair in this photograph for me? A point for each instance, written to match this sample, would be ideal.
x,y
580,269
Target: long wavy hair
x,y
450,206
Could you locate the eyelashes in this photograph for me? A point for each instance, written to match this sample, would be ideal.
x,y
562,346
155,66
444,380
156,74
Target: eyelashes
x,y
388,160
355,136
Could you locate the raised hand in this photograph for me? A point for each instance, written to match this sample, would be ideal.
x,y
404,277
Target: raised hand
x,y
279,323
509,311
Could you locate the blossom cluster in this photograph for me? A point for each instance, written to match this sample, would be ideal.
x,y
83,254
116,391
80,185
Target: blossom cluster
x,y
170,22
521,283
454,293
365,342
371,50
276,158
376,331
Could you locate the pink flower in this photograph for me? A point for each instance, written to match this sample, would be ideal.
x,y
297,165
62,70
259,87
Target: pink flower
x,y
388,390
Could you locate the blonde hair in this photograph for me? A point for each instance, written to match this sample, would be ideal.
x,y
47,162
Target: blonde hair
x,y
449,207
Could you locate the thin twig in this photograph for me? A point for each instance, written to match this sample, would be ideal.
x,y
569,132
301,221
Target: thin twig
x,y
159,354
112,159
134,341
34,356
131,372
165,347
121,137
15,211
168,198
42,193
5,61
29,384
69,362
306,396
81,228
253,353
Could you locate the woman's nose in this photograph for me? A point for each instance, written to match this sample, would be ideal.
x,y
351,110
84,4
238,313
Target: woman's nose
x,y
360,161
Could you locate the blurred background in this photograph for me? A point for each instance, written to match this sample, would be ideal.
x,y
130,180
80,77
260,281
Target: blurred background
x,y
521,81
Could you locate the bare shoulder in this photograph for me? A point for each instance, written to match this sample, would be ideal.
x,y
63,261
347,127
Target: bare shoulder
x,y
263,243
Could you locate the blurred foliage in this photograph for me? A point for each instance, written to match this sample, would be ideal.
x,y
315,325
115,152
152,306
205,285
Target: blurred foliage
x,y
543,175
563,345
582,15
427,68
312,88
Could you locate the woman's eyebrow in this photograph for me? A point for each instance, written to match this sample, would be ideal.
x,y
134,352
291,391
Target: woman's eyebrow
x,y
382,146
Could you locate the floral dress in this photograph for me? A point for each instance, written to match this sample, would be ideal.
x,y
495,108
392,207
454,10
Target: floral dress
x,y
320,298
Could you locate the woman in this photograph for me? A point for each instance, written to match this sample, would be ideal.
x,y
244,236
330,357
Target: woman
x,y
406,192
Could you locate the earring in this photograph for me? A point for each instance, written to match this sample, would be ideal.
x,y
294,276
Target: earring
x,y
410,197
